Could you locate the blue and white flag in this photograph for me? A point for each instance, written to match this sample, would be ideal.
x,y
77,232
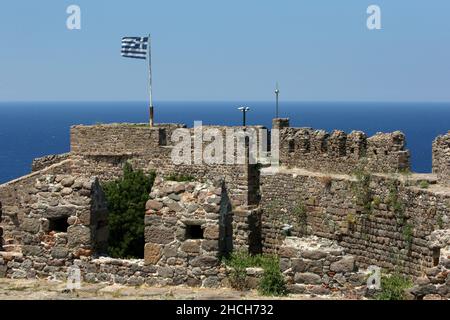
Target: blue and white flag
x,y
135,47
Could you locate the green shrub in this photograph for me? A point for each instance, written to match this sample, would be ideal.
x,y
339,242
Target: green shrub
x,y
239,261
179,178
126,198
362,191
272,281
424,184
301,214
393,287
408,235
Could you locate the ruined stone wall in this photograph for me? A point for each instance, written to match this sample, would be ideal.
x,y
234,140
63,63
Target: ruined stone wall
x,y
15,197
391,233
188,227
435,282
64,219
441,158
187,230
47,161
319,266
103,150
338,152
64,215
247,230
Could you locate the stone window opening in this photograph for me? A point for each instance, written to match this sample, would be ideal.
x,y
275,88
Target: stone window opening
x,y
324,146
291,146
194,232
58,224
436,256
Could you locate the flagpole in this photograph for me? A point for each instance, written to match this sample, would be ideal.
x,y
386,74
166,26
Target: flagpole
x,y
150,80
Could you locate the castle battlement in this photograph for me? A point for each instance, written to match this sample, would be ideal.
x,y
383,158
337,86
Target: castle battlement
x,y
339,152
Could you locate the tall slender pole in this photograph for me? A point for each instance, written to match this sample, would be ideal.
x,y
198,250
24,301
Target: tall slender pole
x,y
150,80
277,92
243,120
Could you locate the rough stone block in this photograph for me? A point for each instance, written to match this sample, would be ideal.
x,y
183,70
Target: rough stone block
x,y
78,235
153,205
32,250
211,232
313,254
31,225
346,264
174,206
159,234
307,278
59,252
204,261
210,245
152,253
190,246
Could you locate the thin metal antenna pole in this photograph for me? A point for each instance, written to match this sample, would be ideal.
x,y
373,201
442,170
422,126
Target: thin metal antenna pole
x,y
150,81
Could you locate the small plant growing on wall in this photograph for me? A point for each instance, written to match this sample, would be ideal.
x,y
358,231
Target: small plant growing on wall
x,y
424,184
301,215
408,235
179,178
393,286
126,198
272,282
376,202
398,207
440,220
364,199
351,221
362,192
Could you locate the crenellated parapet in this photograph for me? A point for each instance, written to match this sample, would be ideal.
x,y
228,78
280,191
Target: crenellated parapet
x,y
441,158
339,152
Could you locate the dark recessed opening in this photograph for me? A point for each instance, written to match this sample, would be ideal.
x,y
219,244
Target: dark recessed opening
x,y
194,232
436,255
385,152
324,146
291,146
58,224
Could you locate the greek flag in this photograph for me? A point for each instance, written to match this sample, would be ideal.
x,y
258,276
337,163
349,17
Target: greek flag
x,y
135,47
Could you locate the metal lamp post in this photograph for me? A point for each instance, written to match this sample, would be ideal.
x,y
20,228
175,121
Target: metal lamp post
x,y
277,92
244,111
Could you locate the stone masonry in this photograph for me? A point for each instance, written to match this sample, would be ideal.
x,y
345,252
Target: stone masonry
x,y
319,266
323,220
186,231
441,158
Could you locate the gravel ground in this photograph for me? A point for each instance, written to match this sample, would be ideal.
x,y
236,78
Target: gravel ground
x,y
56,290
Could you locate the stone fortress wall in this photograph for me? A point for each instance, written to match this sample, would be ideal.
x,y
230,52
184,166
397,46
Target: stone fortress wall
x,y
386,221
441,158
338,152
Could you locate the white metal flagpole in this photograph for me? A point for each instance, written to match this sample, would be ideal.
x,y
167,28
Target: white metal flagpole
x,y
150,80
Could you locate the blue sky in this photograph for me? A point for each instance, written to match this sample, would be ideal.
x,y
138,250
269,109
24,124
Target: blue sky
x,y
318,50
